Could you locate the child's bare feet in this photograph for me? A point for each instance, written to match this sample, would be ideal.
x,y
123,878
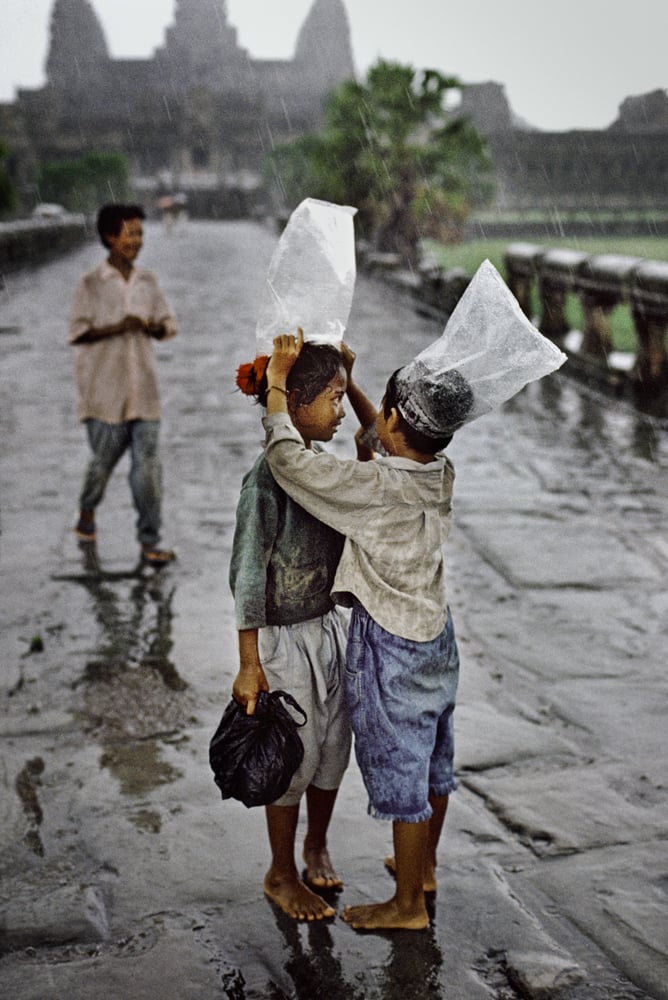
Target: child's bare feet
x,y
385,916
296,899
430,881
319,869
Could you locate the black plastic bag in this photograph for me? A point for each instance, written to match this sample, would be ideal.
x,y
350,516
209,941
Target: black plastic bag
x,y
253,757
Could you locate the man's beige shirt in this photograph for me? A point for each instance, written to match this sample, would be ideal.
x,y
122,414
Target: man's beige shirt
x,y
116,376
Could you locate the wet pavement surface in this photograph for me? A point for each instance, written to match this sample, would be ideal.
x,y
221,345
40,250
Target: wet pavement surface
x,y
123,874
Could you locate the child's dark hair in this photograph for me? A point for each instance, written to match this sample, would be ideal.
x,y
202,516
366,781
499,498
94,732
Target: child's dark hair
x,y
111,217
315,367
423,443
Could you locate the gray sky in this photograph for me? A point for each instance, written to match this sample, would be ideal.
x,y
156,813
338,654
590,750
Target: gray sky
x,y
565,64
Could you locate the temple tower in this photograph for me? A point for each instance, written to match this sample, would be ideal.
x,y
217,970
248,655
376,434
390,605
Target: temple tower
x,y
78,53
200,111
201,48
324,49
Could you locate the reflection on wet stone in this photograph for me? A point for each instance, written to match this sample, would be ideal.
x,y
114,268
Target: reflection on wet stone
x,y
131,685
133,697
406,966
308,968
27,782
413,971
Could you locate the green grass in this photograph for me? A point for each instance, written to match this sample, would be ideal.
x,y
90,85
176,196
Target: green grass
x,y
641,217
471,254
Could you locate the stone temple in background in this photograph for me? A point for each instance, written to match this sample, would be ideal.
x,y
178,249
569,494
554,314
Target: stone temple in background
x,y
198,116
592,174
201,113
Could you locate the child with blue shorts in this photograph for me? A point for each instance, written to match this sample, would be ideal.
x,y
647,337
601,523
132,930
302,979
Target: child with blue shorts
x,y
402,662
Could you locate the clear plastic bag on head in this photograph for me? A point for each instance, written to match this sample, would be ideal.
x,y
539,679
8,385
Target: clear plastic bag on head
x,y
311,276
489,345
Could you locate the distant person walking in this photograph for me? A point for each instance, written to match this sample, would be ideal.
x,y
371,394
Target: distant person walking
x,y
118,309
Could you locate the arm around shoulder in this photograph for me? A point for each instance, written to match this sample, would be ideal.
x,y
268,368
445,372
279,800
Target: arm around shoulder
x,y
340,492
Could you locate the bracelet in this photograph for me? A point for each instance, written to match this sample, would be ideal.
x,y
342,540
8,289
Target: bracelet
x,y
278,389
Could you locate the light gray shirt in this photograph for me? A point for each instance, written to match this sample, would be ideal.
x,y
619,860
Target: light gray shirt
x,y
395,514
117,378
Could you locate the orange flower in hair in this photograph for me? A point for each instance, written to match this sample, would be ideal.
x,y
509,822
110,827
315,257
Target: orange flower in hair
x,y
249,376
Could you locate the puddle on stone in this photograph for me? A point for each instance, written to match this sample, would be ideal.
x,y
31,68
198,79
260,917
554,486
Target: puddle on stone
x,y
123,702
139,767
27,782
147,820
132,689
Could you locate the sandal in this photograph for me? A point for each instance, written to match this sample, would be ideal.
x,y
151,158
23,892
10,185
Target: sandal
x,y
157,557
85,528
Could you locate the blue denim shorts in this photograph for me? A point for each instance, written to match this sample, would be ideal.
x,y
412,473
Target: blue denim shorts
x,y
401,699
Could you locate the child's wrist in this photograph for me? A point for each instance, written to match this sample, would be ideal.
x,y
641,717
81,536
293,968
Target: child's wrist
x,y
275,376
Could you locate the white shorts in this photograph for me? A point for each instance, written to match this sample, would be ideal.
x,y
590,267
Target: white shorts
x,y
308,660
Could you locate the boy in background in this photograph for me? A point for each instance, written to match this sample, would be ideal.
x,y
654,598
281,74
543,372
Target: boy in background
x,y
118,310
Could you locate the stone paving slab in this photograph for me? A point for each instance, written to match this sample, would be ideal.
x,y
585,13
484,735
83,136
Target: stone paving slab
x,y
581,807
600,889
161,958
492,738
535,552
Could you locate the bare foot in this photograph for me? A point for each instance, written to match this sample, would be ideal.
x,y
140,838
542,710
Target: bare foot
x,y
296,899
319,869
430,881
385,916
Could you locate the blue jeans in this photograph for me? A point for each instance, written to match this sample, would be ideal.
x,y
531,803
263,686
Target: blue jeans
x,y
401,699
108,442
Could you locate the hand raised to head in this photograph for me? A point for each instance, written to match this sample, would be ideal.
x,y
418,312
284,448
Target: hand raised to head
x,y
349,357
286,351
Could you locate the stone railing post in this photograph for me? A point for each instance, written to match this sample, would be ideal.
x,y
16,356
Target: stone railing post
x,y
521,263
649,302
557,273
441,289
602,283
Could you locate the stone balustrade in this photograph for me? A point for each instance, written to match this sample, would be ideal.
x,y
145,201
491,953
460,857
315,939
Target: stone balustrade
x,y
649,303
523,273
436,290
541,279
556,278
601,282
26,242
